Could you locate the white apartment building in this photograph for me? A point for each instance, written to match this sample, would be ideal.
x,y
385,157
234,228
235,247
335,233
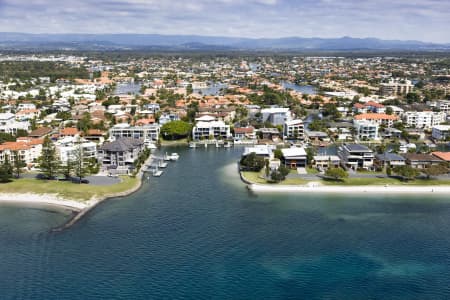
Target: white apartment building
x,y
67,149
443,106
423,119
276,115
148,133
366,130
212,129
8,124
441,132
396,87
294,130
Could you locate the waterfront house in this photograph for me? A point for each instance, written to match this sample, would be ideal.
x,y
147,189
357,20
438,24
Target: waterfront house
x,y
27,148
444,156
294,157
356,156
326,161
146,132
265,151
269,133
294,130
118,156
421,161
210,129
67,148
389,160
244,133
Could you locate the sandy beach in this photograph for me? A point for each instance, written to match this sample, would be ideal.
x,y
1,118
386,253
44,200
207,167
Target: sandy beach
x,y
46,199
315,187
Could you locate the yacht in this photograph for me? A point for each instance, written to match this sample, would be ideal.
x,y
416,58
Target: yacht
x,y
157,173
166,157
192,145
162,164
174,156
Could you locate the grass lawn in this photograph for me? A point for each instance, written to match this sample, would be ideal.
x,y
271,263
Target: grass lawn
x,y
385,181
66,189
312,171
255,177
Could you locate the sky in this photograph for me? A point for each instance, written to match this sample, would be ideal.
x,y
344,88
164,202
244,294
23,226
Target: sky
x,y
425,20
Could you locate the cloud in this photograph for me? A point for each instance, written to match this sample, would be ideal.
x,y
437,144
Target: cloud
x,y
425,20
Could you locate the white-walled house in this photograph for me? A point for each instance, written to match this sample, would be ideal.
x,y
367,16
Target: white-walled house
x,y
294,130
441,132
211,129
8,124
67,148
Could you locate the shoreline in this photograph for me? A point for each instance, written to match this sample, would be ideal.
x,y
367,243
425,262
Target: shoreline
x,y
316,187
78,208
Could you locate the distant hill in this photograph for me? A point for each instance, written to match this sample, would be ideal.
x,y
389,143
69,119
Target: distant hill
x,y
24,41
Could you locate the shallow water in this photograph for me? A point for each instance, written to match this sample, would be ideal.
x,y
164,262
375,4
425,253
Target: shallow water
x,y
197,233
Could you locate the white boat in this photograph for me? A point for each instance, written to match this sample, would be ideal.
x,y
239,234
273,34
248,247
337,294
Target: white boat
x,y
166,157
192,145
227,145
174,156
157,173
217,145
162,164
206,145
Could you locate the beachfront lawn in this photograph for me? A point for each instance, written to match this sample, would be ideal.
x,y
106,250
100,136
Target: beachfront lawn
x,y
312,171
385,181
258,177
68,190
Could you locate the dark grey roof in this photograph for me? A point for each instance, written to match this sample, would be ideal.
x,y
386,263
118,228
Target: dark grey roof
x,y
357,147
389,157
122,145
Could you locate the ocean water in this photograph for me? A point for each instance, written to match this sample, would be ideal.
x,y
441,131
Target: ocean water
x,y
197,233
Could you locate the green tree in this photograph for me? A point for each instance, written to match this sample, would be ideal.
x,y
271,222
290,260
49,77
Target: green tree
x,y
189,89
435,170
66,169
48,162
252,162
80,165
175,130
406,172
277,153
18,164
6,171
336,173
389,110
279,174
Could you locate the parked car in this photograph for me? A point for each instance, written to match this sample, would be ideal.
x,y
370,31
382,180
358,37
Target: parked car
x,y
77,180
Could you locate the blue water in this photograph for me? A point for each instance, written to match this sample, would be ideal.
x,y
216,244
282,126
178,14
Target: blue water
x,y
304,89
127,88
197,233
214,89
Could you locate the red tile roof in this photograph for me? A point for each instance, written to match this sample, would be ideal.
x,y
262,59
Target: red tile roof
x,y
442,155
